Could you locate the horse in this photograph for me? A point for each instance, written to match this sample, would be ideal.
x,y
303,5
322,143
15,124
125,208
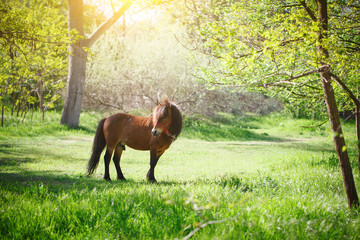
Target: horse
x,y
155,133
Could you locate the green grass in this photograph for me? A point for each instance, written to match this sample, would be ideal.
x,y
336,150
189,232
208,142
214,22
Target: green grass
x,y
263,177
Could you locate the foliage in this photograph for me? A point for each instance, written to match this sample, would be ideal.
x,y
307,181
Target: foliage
x,y
33,55
345,43
272,46
258,188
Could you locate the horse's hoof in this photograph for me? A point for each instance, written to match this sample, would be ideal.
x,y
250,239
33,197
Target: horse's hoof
x,y
108,179
152,180
121,179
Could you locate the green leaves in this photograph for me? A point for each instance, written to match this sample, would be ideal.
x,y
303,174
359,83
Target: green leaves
x,y
267,45
34,40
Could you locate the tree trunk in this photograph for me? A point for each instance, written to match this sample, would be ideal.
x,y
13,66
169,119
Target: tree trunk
x,y
23,119
32,112
357,121
18,107
2,114
357,110
76,80
77,60
352,197
77,65
13,103
339,141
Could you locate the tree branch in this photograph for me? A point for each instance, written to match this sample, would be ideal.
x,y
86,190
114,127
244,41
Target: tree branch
x,y
107,24
315,126
346,89
291,78
202,225
188,99
309,11
93,96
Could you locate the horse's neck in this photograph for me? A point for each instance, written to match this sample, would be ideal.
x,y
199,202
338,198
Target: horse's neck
x,y
150,121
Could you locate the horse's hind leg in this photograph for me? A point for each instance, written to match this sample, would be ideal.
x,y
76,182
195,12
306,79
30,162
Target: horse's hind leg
x,y
107,159
116,159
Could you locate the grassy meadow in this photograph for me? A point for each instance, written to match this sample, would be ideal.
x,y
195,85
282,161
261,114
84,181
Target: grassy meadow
x,y
268,177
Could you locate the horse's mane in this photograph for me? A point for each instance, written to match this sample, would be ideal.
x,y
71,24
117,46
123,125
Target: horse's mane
x,y
176,117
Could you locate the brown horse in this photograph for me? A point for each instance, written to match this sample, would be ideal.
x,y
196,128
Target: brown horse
x,y
154,133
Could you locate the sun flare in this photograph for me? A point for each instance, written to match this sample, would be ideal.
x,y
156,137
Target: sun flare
x,y
139,11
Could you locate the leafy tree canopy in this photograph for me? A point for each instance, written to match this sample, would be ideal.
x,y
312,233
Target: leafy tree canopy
x,y
273,45
33,55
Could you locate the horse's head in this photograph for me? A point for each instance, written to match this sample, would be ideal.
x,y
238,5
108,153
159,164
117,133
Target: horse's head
x,y
162,117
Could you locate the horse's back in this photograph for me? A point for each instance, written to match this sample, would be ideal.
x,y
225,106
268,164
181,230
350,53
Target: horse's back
x,y
116,122
130,130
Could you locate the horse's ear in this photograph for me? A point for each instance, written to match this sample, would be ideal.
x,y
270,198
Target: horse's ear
x,y
166,102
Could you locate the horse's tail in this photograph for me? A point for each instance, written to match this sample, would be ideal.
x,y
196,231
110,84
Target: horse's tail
x,y
98,147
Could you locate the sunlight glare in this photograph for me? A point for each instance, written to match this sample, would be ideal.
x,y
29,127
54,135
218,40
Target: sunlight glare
x,y
138,12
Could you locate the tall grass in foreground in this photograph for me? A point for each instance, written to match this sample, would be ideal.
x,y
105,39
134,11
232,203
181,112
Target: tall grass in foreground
x,y
268,178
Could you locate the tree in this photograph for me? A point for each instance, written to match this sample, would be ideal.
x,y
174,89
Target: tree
x,y
348,15
287,47
33,39
334,118
77,59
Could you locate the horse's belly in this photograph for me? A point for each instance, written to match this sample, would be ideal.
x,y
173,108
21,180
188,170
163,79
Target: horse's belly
x,y
138,147
137,143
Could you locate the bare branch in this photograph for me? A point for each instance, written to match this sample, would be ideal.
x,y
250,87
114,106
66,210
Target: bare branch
x,y
200,226
104,103
194,5
187,100
107,24
315,126
183,45
112,6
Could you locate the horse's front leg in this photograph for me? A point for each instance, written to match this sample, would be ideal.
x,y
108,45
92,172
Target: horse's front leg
x,y
154,157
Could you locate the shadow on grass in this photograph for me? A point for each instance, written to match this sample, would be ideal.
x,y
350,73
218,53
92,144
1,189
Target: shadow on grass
x,y
12,154
308,146
227,133
13,161
82,129
43,129
225,127
57,182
